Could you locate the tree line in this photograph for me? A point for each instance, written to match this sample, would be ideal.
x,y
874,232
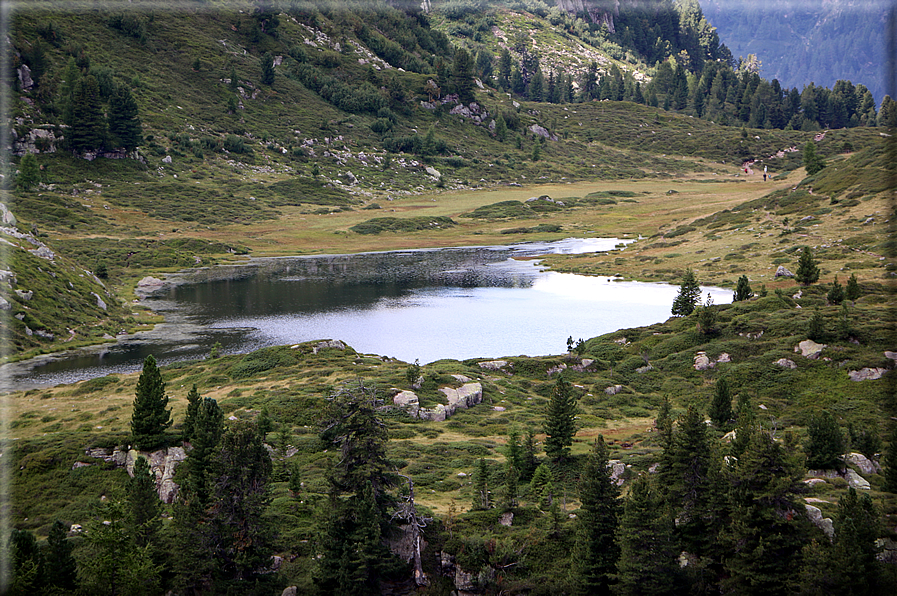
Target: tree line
x,y
710,517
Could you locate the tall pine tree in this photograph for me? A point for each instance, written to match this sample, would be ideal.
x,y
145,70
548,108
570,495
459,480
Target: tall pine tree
x,y
596,552
150,418
88,126
125,127
560,421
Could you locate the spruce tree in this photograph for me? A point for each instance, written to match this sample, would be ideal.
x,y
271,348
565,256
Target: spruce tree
x,y
560,421
501,128
150,418
61,570
689,295
462,76
836,293
529,459
207,431
764,538
807,271
143,504
596,551
812,162
88,126
852,292
743,290
648,562
825,442
29,172
26,563
125,127
193,404
267,69
857,527
238,529
889,462
509,500
720,410
481,495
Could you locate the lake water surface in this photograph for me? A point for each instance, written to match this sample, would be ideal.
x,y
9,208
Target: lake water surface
x,y
427,305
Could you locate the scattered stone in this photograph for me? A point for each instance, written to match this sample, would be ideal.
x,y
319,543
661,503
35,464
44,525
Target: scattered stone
x,y
434,172
556,369
724,357
75,529
4,304
811,482
290,591
6,216
866,374
729,436
643,369
823,523
499,408
542,132
43,252
785,363
799,295
80,464
618,468
166,159
653,469
809,349
614,390
891,355
782,272
461,378
100,302
702,362
506,519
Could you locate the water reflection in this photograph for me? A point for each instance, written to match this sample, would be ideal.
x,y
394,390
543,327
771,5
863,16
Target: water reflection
x,y
426,305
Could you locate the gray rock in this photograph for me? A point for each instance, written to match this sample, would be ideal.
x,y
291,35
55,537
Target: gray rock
x,y
407,400
461,378
43,252
290,591
25,80
613,390
854,480
434,172
6,216
148,285
702,362
465,396
506,519
866,374
809,349
542,132
643,369
811,482
329,343
782,272
166,159
4,304
493,364
100,302
8,277
435,414
785,363
823,523
865,465
618,468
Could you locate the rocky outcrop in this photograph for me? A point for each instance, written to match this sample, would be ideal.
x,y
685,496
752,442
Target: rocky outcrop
x,y
493,364
465,396
785,363
853,479
866,465
163,464
148,286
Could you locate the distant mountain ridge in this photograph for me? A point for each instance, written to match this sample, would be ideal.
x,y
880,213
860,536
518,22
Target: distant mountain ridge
x,y
799,42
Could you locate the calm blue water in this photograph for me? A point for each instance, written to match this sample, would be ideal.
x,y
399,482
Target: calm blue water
x,y
425,305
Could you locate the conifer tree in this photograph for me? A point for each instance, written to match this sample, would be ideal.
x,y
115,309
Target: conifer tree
x,y
150,418
648,562
812,162
807,271
511,487
193,404
743,290
267,69
721,407
764,538
88,126
26,563
857,527
852,292
61,570
689,295
239,531
125,127
529,460
501,128
596,551
143,504
664,423
462,76
560,421
836,293
29,173
481,496
825,442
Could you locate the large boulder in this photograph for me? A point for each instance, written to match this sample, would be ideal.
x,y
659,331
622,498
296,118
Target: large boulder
x,y
785,363
782,272
809,349
407,400
866,465
465,396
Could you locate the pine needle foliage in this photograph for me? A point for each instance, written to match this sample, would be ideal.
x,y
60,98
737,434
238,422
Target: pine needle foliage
x,y
560,421
150,418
